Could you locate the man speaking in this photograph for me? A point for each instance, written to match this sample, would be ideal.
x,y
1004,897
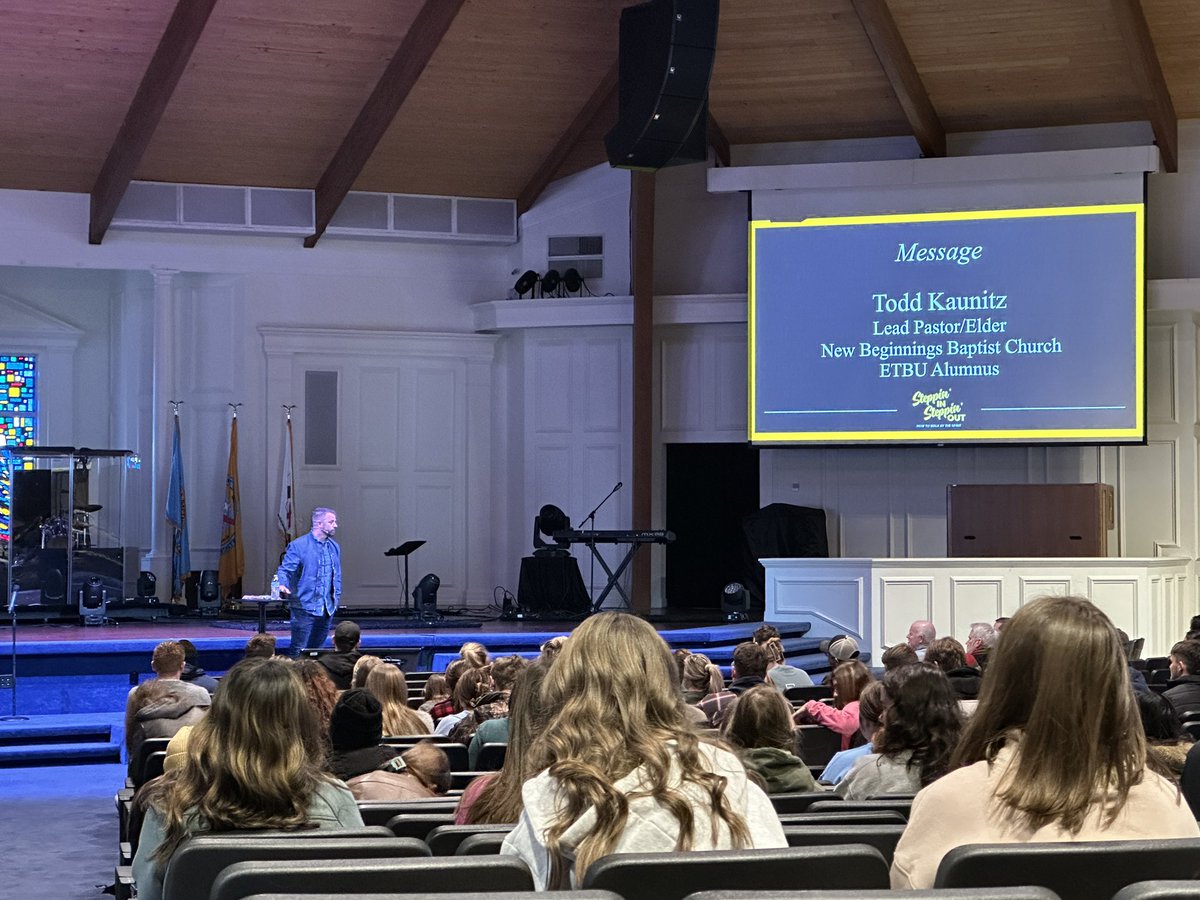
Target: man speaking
x,y
310,576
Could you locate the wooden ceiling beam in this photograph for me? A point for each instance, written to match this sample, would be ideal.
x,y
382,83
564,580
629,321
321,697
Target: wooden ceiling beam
x,y
1147,73
166,67
902,73
583,121
718,141
398,80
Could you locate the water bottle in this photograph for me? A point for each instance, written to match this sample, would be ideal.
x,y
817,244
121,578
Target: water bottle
x,y
275,588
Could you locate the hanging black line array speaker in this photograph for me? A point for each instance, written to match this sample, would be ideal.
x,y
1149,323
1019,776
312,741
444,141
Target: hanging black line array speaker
x,y
666,59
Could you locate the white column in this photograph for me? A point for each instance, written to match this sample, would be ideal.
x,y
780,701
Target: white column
x,y
162,390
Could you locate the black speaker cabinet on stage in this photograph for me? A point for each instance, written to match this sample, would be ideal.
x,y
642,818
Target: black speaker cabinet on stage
x,y
667,49
551,585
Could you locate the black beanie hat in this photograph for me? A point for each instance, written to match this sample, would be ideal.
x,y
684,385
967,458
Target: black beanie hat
x,y
357,721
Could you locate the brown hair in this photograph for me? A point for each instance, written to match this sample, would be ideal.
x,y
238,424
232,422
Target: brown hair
x,y
923,718
390,688
773,648
473,684
750,660
760,718
435,687
871,704
848,681
428,763
947,654
167,658
322,693
453,672
505,671
553,647
764,633
362,668
260,646
898,655
1059,685
474,653
1189,654
698,675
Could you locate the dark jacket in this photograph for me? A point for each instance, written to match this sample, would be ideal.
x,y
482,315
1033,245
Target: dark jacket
x,y
193,674
966,682
1184,694
340,666
349,764
165,716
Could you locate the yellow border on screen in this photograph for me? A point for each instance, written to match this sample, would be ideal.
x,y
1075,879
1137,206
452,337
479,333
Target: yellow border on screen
x,y
945,436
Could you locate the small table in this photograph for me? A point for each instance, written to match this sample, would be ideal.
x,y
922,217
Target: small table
x,y
261,600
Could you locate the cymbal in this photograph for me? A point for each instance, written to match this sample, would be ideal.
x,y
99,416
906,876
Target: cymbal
x,y
88,507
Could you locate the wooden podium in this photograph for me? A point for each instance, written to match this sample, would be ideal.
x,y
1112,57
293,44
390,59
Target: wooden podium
x,y
1028,520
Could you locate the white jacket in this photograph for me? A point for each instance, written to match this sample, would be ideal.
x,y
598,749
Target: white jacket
x,y
650,827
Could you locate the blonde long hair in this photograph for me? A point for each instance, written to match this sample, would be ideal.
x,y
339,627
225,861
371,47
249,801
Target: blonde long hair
x,y
253,762
1058,688
390,687
616,706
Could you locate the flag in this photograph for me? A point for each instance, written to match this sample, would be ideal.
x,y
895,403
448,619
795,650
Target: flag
x,y
233,563
181,556
286,516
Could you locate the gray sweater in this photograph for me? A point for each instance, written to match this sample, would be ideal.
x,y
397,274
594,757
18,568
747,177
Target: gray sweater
x,y
875,774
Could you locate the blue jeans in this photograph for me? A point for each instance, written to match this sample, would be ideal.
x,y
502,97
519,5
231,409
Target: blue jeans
x,y
308,630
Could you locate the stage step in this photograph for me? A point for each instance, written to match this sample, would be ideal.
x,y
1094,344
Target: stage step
x,y
19,734
58,754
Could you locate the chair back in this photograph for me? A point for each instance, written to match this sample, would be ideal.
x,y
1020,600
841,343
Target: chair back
x,y
672,876
418,825
1159,890
809,692
153,766
331,877
1078,870
882,837
380,812
481,845
817,744
491,757
879,817
800,801
456,754
201,857
1017,893
148,746
902,806
445,839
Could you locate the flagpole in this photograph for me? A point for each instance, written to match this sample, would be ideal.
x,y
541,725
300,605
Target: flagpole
x,y
232,566
286,516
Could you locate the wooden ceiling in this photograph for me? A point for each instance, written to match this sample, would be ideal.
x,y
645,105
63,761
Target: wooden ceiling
x,y
495,98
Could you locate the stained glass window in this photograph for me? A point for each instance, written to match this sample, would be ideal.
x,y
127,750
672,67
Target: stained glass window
x,y
18,420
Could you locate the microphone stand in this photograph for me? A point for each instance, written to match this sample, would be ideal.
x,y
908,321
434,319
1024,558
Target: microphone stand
x,y
591,517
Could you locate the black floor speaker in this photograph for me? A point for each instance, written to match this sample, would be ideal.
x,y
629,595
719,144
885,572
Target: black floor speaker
x,y
552,585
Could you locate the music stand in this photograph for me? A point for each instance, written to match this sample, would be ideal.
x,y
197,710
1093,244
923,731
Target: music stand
x,y
404,550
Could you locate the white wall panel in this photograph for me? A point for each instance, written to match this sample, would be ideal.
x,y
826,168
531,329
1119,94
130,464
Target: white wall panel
x,y
379,414
379,504
602,395
550,366
1153,468
973,599
1119,599
436,418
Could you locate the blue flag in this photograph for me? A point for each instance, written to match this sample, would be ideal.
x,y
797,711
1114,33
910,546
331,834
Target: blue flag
x,y
181,556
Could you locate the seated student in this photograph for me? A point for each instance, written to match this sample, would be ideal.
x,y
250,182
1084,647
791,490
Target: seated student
x,y
1184,686
1167,743
253,763
471,688
621,770
871,705
388,684
749,670
445,707
362,668
700,678
838,650
377,771
760,727
495,799
848,679
156,709
782,675
321,693
897,656
433,693
951,657
340,664
1054,752
489,725
192,673
920,730
260,646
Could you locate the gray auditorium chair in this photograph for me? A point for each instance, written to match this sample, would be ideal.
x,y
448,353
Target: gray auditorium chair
x,y
134,777
672,876
445,839
506,895
870,817
380,812
902,806
817,744
202,857
1007,893
491,757
799,801
808,692
1080,870
460,759
418,825
882,837
481,844
1159,890
330,877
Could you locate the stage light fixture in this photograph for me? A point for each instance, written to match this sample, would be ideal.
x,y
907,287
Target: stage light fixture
x,y
550,519
208,594
147,584
572,281
550,282
735,602
526,283
93,602
425,597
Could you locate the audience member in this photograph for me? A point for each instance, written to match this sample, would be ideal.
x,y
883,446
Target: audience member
x,y
1167,743
781,674
760,727
948,655
253,763
490,714
764,633
1136,676
621,770
897,656
167,662
446,707
191,672
260,646
749,669
700,678
1054,752
160,709
839,649
340,663
362,668
474,653
871,704
980,641
496,799
434,692
469,691
1184,687
377,771
680,655
321,693
848,680
552,648
999,624
388,684
921,634
921,728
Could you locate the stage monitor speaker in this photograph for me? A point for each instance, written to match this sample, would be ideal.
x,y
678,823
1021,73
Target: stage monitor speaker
x,y
667,49
552,585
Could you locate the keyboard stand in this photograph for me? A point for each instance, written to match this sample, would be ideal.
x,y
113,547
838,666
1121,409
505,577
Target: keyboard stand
x,y
614,577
